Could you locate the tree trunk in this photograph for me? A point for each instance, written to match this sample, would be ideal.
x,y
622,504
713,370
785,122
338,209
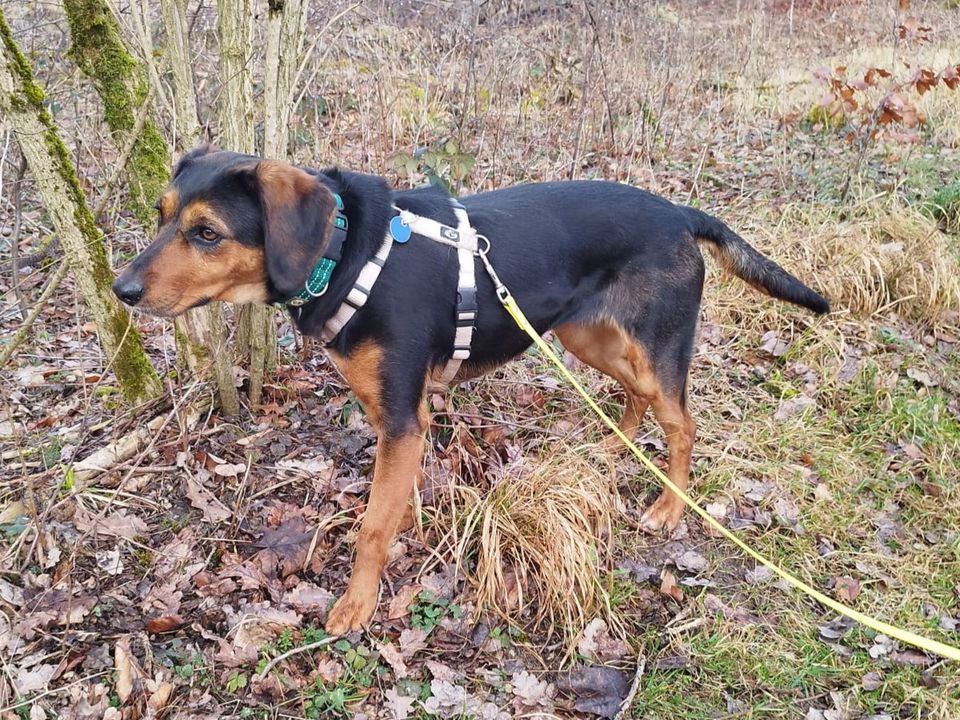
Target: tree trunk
x,y
99,52
21,102
285,36
201,333
257,335
189,132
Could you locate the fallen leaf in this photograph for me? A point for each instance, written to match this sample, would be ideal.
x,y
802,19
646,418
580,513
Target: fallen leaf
x,y
531,693
401,602
163,623
668,586
285,547
871,681
412,641
129,674
597,644
206,502
597,690
30,680
117,524
846,588
109,561
399,706
229,469
692,561
794,406
922,377
394,658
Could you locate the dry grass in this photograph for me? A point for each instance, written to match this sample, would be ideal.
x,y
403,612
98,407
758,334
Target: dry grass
x,y
888,258
538,541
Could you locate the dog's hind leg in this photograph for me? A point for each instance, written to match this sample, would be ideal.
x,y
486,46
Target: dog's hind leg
x,y
605,347
612,350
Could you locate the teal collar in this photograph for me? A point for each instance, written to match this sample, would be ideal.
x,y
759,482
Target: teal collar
x,y
316,284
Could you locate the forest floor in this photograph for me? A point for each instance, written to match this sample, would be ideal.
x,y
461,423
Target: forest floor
x,y
169,583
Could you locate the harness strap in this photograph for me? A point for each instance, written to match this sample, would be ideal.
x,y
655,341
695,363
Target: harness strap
x,y
466,292
357,297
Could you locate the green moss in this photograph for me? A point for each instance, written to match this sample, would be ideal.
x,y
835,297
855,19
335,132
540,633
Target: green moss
x,y
98,51
32,92
121,84
131,364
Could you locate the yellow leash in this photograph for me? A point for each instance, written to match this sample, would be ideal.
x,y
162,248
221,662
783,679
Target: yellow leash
x,y
905,636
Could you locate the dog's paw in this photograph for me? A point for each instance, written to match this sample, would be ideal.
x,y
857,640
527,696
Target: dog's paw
x,y
351,612
664,514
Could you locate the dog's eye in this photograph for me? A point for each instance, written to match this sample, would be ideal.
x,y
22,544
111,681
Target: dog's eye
x,y
208,235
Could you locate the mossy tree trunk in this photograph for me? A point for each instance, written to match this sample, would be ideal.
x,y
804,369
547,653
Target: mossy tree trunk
x,y
21,103
257,333
99,52
202,332
121,82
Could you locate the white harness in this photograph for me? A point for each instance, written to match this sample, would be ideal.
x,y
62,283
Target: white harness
x,y
468,244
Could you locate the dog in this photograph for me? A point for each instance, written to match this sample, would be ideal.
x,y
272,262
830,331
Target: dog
x,y
615,272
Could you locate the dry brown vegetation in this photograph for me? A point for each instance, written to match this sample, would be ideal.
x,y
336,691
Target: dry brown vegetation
x,y
832,445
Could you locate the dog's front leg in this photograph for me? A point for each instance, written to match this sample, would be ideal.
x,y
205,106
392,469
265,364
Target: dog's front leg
x,y
394,474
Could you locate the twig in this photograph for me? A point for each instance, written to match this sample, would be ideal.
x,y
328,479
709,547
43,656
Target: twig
x,y
26,702
17,188
628,700
289,653
22,331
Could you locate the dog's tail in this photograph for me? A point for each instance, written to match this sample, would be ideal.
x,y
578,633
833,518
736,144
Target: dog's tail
x,y
738,257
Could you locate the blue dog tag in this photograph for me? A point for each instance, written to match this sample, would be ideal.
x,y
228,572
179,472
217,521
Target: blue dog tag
x,y
399,230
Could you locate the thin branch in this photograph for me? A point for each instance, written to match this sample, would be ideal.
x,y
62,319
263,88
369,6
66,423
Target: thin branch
x,y
22,331
289,653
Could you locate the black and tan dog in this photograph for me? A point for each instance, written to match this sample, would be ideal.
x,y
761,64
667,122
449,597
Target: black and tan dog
x,y
615,271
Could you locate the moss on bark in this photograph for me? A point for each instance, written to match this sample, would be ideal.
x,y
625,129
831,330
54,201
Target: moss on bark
x,y
56,177
98,50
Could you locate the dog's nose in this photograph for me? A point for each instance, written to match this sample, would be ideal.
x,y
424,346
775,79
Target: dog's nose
x,y
130,290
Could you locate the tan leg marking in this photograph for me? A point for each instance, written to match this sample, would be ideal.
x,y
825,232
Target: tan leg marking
x,y
395,471
612,351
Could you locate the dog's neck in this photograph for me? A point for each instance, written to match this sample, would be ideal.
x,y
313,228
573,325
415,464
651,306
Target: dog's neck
x,y
367,207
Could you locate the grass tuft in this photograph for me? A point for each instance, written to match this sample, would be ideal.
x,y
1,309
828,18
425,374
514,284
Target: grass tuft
x,y
538,541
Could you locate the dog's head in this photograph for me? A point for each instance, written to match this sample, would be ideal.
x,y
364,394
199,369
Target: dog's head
x,y
231,227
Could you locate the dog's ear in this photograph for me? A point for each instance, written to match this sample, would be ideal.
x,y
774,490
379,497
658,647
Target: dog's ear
x,y
188,158
298,213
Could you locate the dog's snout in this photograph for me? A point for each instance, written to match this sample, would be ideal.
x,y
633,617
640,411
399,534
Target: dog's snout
x,y
128,289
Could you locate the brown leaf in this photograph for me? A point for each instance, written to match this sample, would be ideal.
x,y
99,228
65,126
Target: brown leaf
x,y
412,641
596,690
163,623
117,524
202,499
669,587
394,658
129,674
871,681
398,705
401,602
285,546
951,76
847,589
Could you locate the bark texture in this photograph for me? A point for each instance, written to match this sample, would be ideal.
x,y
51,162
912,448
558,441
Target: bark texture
x,y
202,332
99,52
21,103
257,333
285,37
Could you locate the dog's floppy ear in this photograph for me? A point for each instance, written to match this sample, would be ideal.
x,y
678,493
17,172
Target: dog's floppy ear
x,y
298,211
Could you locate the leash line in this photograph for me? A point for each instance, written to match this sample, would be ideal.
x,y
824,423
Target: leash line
x,y
910,638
